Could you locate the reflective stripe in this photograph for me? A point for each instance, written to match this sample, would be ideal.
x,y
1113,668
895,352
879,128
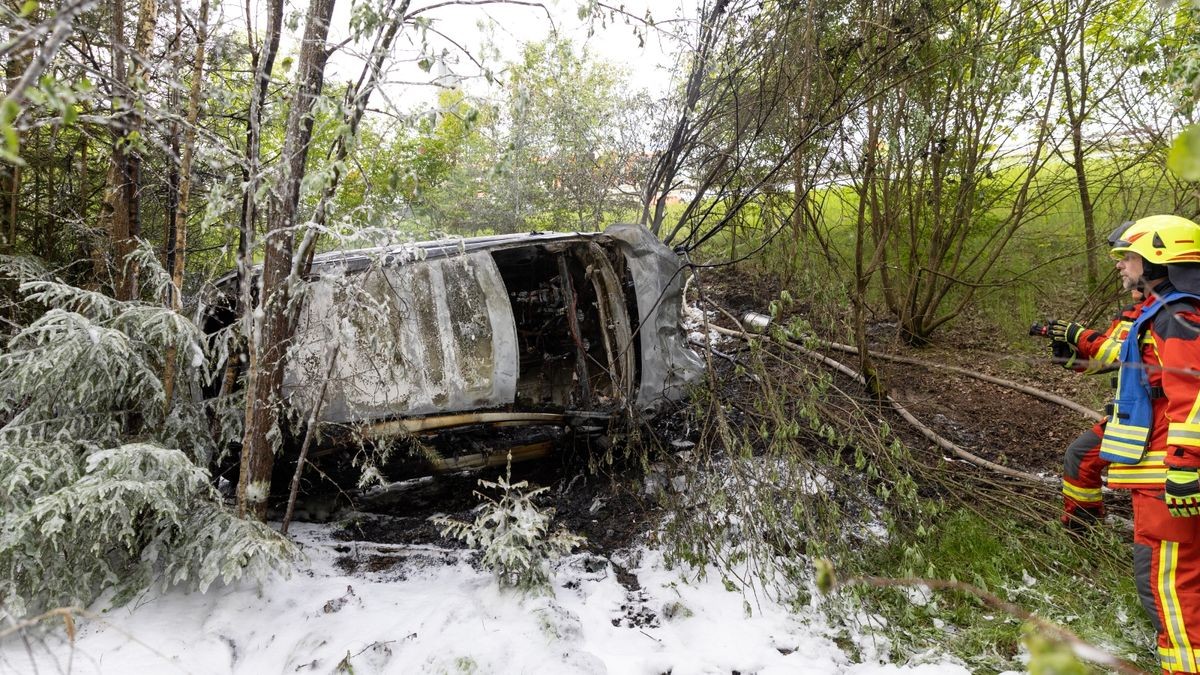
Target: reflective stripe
x,y
1168,561
1123,443
1194,415
1169,657
1127,433
1149,471
1108,352
1124,480
1081,494
1183,433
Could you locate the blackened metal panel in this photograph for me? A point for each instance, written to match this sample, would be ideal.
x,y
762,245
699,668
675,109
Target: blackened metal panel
x,y
668,364
428,336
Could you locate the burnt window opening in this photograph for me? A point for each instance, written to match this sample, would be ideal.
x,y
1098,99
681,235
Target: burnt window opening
x,y
629,289
567,359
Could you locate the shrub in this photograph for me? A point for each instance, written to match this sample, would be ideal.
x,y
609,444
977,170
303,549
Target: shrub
x,y
512,533
103,486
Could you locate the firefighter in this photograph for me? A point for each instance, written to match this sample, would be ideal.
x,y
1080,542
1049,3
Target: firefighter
x,y
1083,502
1092,351
1152,438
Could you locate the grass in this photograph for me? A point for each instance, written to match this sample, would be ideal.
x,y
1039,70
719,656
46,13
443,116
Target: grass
x,y
1082,583
954,526
1041,273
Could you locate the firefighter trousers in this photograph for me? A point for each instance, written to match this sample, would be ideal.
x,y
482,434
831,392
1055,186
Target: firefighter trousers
x,y
1166,560
1082,471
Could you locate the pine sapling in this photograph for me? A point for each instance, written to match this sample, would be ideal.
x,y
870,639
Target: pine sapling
x,y
512,533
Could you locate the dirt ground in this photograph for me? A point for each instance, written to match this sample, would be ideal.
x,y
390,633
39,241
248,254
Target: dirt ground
x,y
613,509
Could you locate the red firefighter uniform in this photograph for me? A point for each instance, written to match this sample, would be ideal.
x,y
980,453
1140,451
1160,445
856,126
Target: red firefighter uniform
x,y
1082,466
1166,548
1153,434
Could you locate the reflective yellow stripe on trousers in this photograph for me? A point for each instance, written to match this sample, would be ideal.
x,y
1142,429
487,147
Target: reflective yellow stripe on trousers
x,y
1081,494
1180,656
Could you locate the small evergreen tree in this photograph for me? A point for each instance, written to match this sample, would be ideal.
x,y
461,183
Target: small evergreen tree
x,y
103,485
512,534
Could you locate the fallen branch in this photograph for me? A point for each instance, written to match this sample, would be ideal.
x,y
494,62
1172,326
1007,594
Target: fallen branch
x,y
1016,386
68,616
932,435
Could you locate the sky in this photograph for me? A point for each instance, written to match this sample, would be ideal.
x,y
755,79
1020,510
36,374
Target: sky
x,y
493,34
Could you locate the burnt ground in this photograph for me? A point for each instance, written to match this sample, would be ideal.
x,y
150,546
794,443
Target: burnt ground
x,y
612,509
996,423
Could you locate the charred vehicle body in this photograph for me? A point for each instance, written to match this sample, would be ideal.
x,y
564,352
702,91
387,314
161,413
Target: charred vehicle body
x,y
475,348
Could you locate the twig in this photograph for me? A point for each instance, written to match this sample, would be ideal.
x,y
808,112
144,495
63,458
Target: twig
x,y
67,614
932,435
308,437
1082,649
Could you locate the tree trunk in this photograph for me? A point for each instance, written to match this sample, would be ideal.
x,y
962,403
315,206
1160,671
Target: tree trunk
x,y
121,199
115,212
863,271
665,169
168,258
262,62
269,339
1085,205
10,188
185,188
143,38
12,191
355,101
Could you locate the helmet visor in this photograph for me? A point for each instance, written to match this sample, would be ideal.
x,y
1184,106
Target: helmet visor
x,y
1117,235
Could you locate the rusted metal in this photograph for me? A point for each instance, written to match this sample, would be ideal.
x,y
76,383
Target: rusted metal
x,y
667,364
483,460
433,336
440,422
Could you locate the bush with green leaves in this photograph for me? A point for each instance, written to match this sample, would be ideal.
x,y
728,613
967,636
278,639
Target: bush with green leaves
x,y
103,486
512,534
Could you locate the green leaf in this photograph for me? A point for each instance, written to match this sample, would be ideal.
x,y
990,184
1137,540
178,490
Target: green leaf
x,y
29,7
826,578
1184,157
425,64
8,113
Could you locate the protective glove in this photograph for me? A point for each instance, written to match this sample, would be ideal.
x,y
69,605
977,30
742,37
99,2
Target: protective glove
x,y
1183,492
1063,354
1065,331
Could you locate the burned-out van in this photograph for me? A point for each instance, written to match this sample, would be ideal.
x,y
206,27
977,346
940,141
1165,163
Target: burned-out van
x,y
488,345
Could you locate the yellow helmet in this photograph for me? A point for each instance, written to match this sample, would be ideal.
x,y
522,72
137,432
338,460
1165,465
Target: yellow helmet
x,y
1162,240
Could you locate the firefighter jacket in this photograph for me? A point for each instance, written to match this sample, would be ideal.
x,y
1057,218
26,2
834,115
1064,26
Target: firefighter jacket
x,y
1101,349
1156,412
1082,466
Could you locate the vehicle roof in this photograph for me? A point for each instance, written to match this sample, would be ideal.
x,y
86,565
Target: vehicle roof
x,y
352,260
